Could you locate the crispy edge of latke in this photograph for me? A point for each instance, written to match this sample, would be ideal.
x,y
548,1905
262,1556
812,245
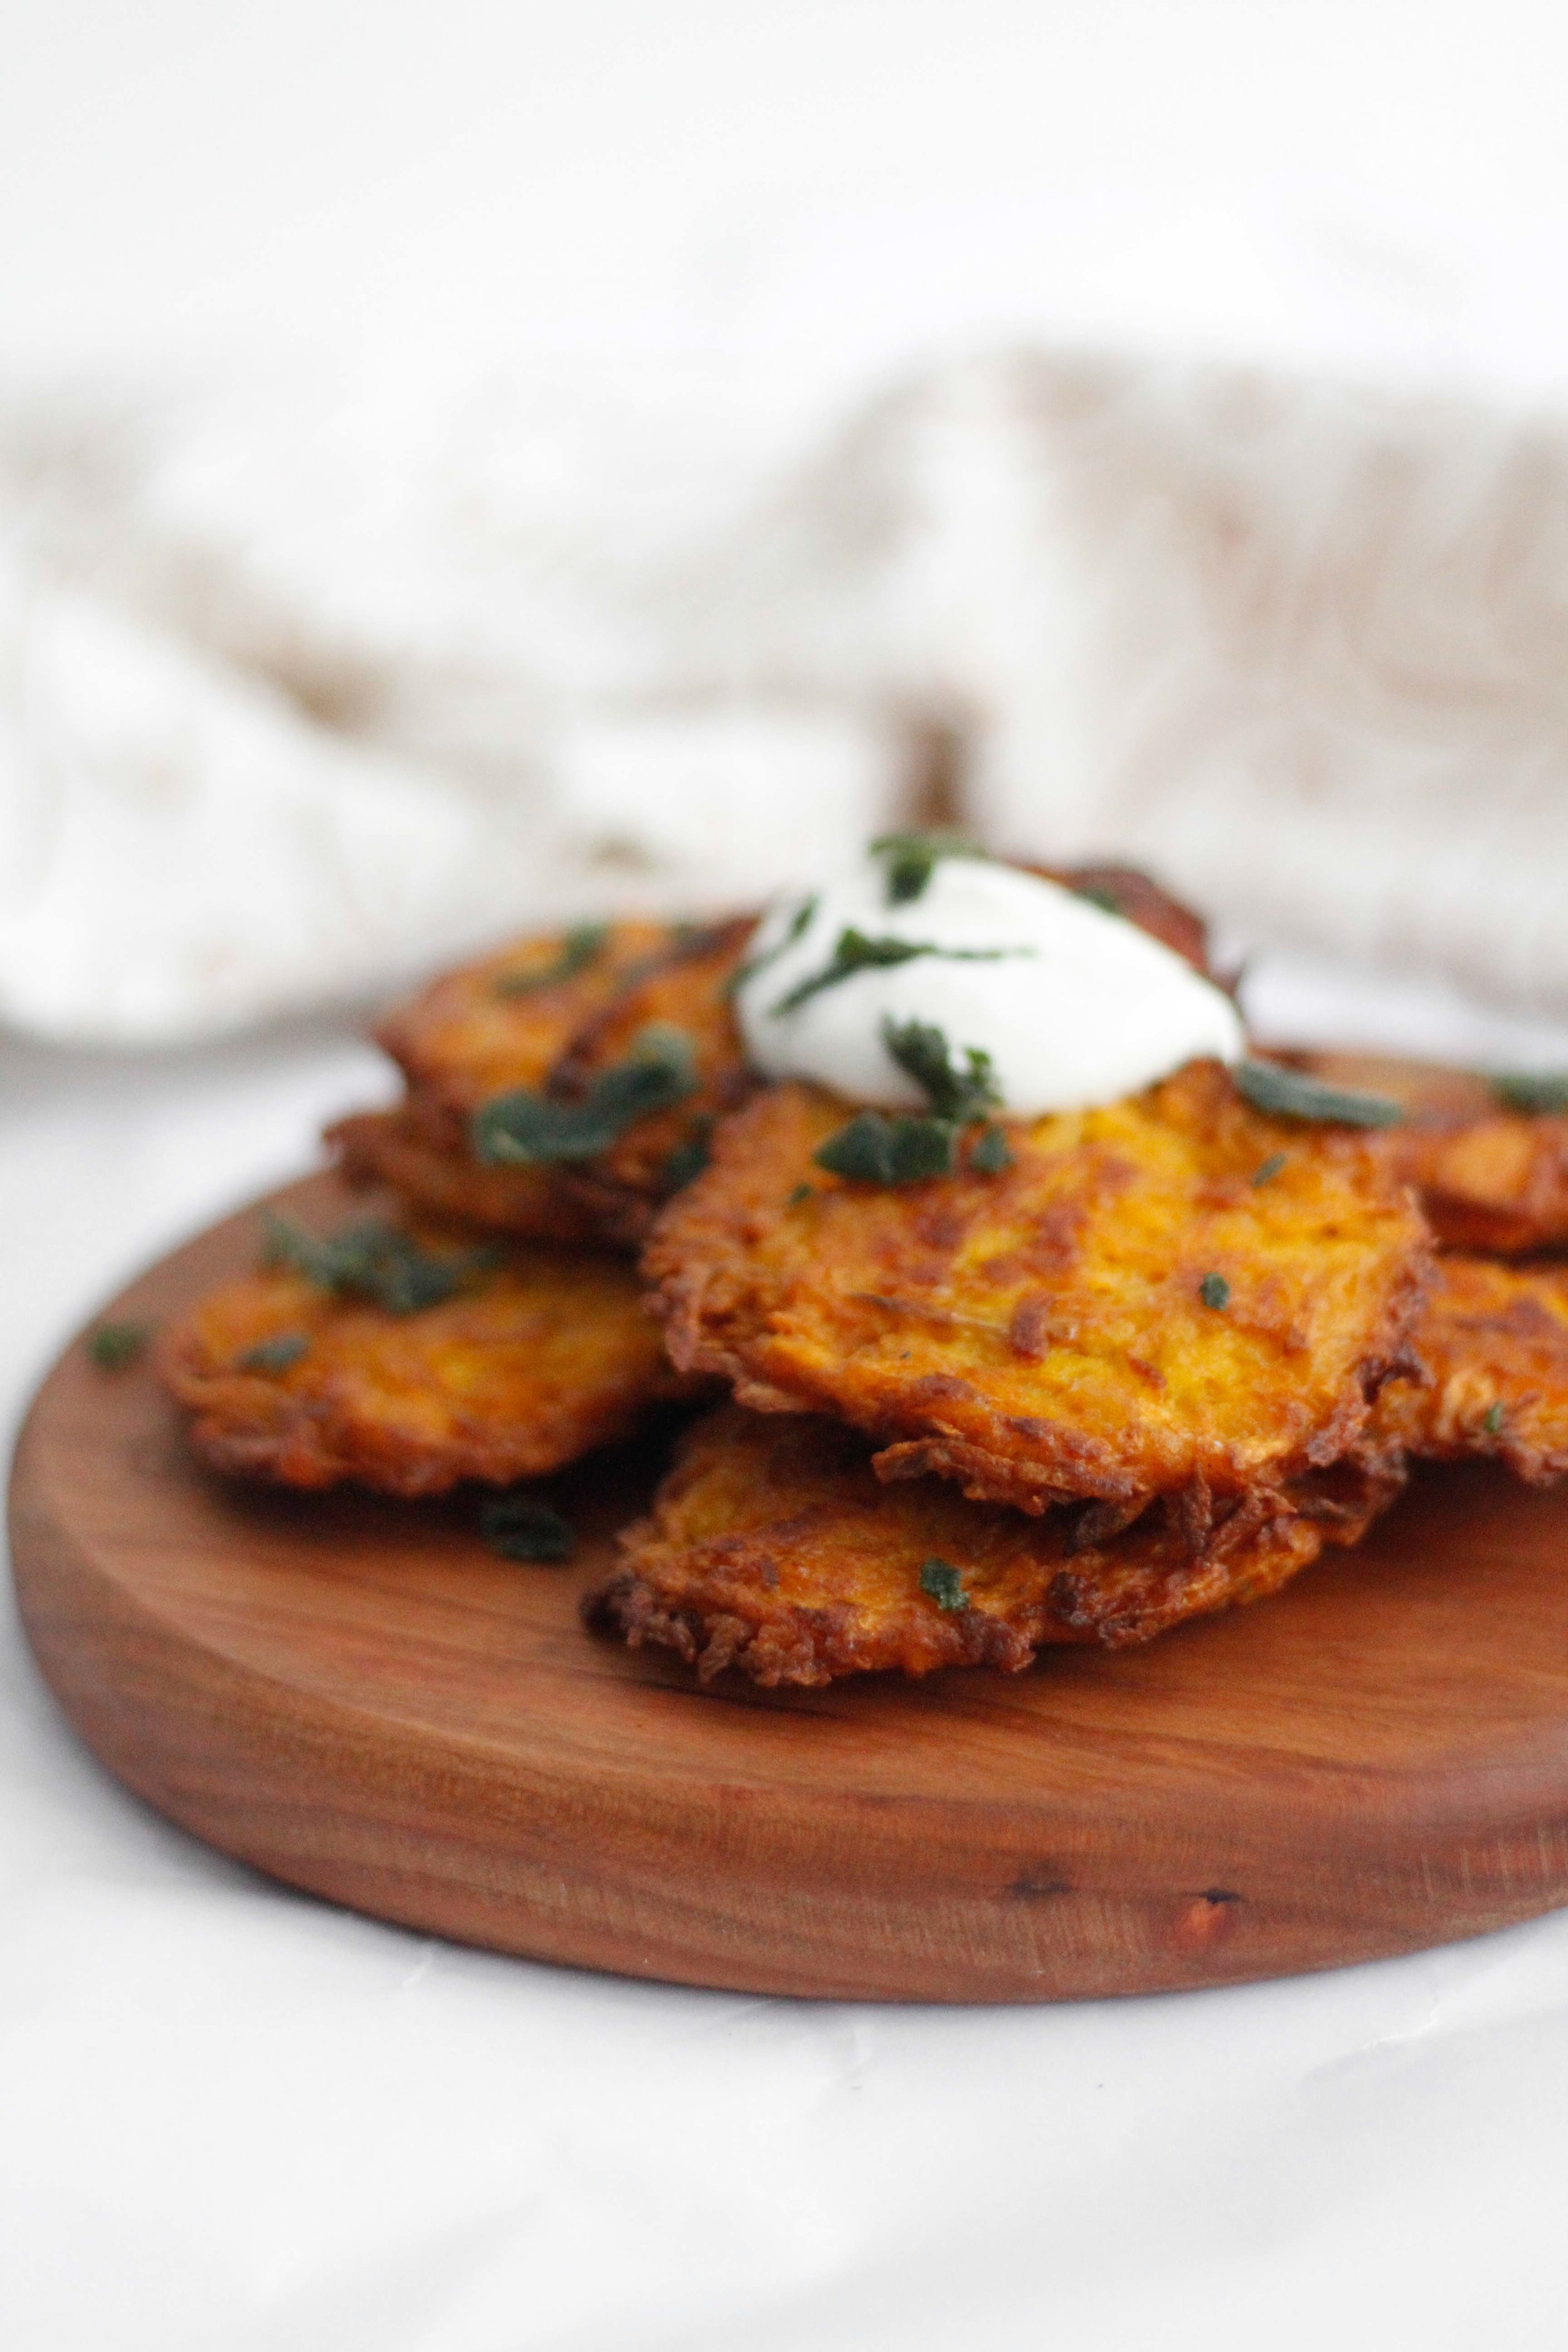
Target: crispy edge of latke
x,y
715,1601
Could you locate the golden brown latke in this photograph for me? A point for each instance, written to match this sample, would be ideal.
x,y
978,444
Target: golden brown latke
x,y
1126,1311
1490,1347
773,1546
533,1361
1489,1178
475,1035
506,1020
420,1150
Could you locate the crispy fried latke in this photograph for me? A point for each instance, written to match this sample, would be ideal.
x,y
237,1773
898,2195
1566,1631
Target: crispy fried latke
x,y
420,1150
506,1024
1490,1353
506,1020
534,1360
1125,1311
1489,1178
773,1546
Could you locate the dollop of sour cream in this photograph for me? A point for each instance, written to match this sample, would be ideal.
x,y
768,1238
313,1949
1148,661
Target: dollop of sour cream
x,y
1074,1005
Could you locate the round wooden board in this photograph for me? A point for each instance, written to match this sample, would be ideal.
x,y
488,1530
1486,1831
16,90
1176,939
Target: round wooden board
x,y
356,1696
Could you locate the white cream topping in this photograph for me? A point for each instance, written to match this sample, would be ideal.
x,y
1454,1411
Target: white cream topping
x,y
1074,1005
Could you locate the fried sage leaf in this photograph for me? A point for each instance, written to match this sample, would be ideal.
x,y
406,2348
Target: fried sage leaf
x,y
854,950
524,1127
1536,1092
944,1585
922,1053
520,1527
374,1261
579,948
875,1150
913,859
1286,1094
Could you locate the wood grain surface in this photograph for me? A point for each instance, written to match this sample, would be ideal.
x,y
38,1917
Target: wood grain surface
x,y
359,1699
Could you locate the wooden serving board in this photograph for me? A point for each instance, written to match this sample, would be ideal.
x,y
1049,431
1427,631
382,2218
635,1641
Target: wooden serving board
x,y
356,1696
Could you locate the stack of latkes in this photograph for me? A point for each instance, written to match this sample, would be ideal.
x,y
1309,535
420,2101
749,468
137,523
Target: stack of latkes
x,y
1124,1367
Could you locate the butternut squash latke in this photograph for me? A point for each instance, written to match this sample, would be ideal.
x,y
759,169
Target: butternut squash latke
x,y
494,1053
773,1548
1489,1354
406,1362
1492,1175
1172,1295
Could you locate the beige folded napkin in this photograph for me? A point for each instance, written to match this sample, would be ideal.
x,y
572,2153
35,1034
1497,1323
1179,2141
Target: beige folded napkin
x,y
302,689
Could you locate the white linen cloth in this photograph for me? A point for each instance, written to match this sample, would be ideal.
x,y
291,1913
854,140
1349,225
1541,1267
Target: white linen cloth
x,y
303,687
235,2120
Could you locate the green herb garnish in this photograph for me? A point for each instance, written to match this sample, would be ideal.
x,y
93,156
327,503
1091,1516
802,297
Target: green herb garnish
x,y
1521,1090
857,952
520,1527
1269,1168
992,1153
801,1193
944,1585
922,1053
114,1346
799,923
1098,896
875,1150
688,1159
1492,1420
1286,1094
522,1129
1214,1290
374,1261
579,948
275,1355
913,858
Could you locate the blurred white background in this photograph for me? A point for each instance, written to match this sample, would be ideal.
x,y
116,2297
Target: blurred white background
x,y
464,464
803,194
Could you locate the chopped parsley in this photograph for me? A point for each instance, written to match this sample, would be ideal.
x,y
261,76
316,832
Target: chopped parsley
x,y
1286,1094
374,1261
943,1582
276,1355
579,948
875,1148
856,952
992,1153
799,923
1521,1090
922,1053
913,858
1215,1291
524,1127
1269,1168
1492,1421
520,1527
114,1346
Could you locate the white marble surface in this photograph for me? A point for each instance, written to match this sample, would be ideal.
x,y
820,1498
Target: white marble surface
x,y
233,2120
